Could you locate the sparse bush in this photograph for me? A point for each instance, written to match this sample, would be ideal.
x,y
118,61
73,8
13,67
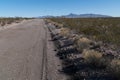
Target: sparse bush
x,y
4,21
94,59
105,30
65,32
114,68
83,43
101,29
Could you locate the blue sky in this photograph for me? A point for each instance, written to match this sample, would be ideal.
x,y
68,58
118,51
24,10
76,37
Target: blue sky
x,y
32,8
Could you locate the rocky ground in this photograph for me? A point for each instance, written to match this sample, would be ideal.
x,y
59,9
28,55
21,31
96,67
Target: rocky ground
x,y
71,49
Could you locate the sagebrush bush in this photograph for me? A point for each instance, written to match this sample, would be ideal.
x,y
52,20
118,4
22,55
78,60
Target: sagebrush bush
x,y
65,32
94,59
83,43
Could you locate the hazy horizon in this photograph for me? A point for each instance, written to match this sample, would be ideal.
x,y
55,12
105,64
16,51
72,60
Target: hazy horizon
x,y
34,8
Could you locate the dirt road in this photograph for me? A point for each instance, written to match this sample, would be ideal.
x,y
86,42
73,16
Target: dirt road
x,y
27,54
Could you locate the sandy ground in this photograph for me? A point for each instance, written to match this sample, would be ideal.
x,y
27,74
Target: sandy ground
x,y
27,54
7,26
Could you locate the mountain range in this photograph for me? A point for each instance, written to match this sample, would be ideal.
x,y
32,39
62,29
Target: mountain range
x,y
78,16
85,16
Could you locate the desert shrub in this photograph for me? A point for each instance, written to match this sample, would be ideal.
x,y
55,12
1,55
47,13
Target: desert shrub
x,y
9,20
83,43
65,32
114,68
90,31
105,29
2,23
94,59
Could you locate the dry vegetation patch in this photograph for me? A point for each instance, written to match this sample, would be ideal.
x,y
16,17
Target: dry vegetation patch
x,y
114,68
101,29
93,44
95,59
5,21
65,32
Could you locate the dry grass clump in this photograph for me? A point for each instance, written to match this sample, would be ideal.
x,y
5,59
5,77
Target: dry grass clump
x,y
58,25
94,59
83,43
114,68
91,53
75,37
65,32
85,40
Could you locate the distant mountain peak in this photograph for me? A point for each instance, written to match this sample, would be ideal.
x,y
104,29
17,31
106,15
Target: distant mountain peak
x,y
72,14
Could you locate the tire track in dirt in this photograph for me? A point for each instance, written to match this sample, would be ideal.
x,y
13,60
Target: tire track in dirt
x,y
44,58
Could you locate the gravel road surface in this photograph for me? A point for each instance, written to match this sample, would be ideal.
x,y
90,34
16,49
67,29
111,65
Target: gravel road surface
x,y
26,53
